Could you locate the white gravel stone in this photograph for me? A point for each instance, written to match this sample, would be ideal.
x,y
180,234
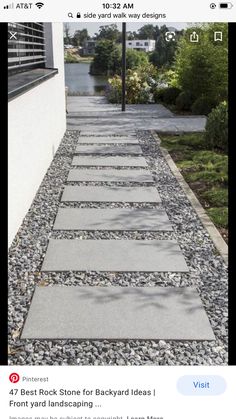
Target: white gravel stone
x,y
208,273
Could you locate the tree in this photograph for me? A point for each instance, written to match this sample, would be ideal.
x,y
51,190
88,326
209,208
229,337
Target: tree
x,y
108,58
67,38
165,51
80,36
135,58
131,35
148,31
202,67
109,32
103,62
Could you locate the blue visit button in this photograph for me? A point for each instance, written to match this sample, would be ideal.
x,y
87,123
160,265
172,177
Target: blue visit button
x,y
201,385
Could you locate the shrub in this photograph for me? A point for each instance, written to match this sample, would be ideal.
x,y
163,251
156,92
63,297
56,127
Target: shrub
x,y
71,58
140,83
138,90
158,94
217,127
167,95
135,59
114,89
184,101
202,68
170,95
105,53
202,106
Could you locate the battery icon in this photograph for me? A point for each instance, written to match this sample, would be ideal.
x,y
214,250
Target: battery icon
x,y
226,5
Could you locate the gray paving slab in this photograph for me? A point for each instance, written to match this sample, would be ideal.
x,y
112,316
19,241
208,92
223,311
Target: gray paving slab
x,y
108,133
61,312
118,161
164,125
108,140
88,132
114,256
132,111
109,175
110,194
99,107
112,219
108,149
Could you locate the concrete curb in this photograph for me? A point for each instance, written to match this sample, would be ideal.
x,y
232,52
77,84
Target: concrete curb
x,y
216,237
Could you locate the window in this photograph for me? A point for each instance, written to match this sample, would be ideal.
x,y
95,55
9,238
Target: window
x,y
30,56
26,48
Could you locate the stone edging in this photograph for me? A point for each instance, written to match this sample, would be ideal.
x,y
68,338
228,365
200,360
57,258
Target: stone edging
x,y
216,237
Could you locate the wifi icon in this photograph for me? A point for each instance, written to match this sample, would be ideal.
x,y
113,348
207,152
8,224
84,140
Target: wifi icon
x,y
39,5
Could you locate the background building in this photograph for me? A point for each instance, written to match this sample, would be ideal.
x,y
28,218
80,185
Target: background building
x,y
89,47
147,45
36,111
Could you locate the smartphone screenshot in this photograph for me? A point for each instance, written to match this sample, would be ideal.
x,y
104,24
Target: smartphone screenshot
x,y
118,142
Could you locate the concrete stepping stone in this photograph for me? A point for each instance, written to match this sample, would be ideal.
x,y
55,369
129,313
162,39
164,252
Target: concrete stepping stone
x,y
87,312
108,140
112,219
110,194
108,149
114,256
111,133
109,161
109,175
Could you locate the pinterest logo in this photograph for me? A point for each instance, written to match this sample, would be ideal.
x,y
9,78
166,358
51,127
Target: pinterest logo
x,y
14,378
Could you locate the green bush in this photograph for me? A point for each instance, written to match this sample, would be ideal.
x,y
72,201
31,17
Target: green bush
x,y
108,59
71,58
202,106
167,95
202,68
184,101
217,127
134,59
105,53
137,88
158,94
170,95
114,90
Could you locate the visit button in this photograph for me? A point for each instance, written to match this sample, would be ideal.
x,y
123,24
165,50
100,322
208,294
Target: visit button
x,y
201,385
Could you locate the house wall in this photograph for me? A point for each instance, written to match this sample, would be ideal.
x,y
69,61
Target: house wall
x,y
131,44
36,125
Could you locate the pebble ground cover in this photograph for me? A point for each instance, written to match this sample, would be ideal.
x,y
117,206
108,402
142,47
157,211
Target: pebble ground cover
x,y
207,272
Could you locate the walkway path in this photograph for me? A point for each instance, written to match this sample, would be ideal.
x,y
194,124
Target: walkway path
x,y
112,312
121,270
94,114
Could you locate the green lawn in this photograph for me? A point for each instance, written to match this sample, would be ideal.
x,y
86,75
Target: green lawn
x,y
206,172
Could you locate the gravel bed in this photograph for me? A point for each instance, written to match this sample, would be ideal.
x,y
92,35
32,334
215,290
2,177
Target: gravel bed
x,y
208,272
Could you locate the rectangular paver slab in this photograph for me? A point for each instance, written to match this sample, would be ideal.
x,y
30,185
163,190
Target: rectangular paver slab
x,y
110,194
63,312
97,132
112,161
112,219
108,140
114,256
108,149
109,175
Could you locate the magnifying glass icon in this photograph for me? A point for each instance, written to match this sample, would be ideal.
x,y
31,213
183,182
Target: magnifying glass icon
x,y
70,15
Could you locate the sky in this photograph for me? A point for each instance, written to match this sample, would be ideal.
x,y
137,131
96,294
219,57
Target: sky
x,y
94,27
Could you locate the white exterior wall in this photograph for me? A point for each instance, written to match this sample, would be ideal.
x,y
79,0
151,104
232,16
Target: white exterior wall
x,y
147,48
36,125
